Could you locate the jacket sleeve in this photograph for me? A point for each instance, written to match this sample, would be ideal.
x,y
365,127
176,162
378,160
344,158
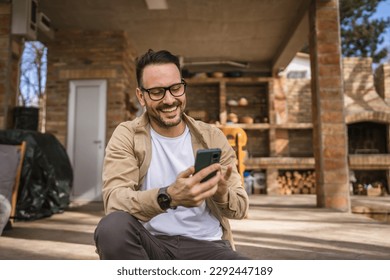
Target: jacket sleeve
x,y
238,202
121,178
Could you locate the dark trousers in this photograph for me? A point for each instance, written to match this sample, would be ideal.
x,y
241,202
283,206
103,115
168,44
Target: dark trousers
x,y
120,236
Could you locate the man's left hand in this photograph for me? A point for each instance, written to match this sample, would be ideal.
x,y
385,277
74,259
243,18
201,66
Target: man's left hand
x,y
221,195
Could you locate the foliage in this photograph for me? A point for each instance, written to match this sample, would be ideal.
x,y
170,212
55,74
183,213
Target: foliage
x,y
33,69
361,35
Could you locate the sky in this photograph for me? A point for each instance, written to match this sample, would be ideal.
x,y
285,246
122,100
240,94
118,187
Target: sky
x,y
383,11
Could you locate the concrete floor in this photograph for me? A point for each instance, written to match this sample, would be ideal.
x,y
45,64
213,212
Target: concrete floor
x,y
277,228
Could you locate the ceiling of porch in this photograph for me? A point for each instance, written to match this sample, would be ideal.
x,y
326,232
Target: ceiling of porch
x,y
260,36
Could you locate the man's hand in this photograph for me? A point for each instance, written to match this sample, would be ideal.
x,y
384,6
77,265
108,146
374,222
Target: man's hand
x,y
188,191
221,195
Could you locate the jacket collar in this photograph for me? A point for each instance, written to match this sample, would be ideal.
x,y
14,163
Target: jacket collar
x,y
143,125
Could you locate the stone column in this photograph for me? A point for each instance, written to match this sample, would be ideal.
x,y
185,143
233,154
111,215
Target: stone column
x,y
329,128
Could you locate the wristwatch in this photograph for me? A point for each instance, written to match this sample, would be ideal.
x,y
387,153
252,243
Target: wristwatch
x,y
164,199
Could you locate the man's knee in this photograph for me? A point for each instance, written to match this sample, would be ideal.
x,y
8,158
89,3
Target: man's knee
x,y
114,225
113,232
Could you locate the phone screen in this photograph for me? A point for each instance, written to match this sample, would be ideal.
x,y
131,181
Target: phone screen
x,y
205,158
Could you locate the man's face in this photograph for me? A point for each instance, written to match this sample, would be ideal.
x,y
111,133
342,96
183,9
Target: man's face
x,y
167,112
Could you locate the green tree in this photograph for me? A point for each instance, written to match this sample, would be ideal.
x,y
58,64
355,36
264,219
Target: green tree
x,y
361,35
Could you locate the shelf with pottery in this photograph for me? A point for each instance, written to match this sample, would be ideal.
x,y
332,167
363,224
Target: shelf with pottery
x,y
265,126
246,103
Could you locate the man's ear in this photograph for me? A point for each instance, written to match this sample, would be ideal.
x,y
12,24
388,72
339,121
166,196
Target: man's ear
x,y
140,96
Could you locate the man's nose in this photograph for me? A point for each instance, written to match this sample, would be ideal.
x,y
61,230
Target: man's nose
x,y
168,97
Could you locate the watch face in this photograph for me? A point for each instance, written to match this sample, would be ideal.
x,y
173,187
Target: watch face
x,y
164,201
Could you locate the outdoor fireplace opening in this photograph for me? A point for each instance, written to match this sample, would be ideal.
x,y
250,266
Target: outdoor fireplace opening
x,y
367,138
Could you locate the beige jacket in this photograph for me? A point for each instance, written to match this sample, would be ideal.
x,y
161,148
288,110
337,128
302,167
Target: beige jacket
x,y
127,159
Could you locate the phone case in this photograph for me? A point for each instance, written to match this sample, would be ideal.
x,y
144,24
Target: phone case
x,y
205,158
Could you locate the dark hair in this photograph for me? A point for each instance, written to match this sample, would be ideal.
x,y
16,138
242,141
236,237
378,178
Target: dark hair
x,y
152,57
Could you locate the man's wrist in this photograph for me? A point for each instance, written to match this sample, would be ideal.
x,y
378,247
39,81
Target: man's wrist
x,y
164,199
221,198
173,204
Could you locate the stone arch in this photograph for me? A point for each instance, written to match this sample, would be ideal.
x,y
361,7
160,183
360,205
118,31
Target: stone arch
x,y
380,117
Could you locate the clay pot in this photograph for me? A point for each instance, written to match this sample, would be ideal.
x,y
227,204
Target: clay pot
x,y
217,74
243,101
246,119
232,118
232,102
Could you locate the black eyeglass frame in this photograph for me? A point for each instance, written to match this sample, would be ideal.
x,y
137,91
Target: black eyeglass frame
x,y
165,90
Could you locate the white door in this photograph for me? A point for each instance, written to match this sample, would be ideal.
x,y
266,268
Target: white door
x,y
86,137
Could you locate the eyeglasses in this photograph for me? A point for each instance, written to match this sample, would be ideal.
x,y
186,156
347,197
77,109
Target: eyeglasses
x,y
158,93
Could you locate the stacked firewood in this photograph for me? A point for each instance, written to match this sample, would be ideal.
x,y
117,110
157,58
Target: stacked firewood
x,y
297,182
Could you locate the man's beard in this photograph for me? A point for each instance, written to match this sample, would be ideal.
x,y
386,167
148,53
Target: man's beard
x,y
162,122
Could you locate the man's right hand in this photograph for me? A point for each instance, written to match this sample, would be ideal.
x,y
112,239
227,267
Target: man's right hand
x,y
188,191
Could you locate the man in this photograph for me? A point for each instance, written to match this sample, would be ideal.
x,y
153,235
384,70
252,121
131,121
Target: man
x,y
157,208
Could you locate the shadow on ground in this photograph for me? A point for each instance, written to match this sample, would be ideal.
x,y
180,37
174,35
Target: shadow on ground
x,y
276,228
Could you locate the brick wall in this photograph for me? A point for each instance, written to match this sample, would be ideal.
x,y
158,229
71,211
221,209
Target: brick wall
x,y
360,95
258,143
365,94
362,102
5,56
76,55
358,76
300,143
298,101
201,97
10,52
382,82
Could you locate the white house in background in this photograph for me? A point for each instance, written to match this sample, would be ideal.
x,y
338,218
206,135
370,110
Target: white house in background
x,y
299,67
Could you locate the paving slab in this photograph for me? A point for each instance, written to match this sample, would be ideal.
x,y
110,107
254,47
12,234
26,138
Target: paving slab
x,y
277,228
283,228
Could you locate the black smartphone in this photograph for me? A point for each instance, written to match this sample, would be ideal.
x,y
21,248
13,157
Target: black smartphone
x,y
205,158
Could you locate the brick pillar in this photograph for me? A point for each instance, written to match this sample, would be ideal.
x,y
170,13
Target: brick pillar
x,y
272,182
280,100
329,128
5,64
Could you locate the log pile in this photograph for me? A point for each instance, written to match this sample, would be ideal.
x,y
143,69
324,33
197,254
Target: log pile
x,y
297,182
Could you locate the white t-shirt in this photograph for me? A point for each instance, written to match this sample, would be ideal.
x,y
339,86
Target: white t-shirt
x,y
170,156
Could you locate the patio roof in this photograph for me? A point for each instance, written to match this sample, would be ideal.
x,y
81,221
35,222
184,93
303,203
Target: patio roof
x,y
218,35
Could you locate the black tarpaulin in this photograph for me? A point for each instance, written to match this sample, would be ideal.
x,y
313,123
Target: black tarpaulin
x,y
46,177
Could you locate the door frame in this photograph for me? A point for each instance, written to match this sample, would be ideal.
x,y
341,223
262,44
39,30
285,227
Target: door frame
x,y
73,85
